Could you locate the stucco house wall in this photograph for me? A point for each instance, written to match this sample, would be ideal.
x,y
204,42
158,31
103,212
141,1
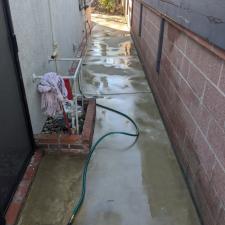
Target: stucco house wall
x,y
39,25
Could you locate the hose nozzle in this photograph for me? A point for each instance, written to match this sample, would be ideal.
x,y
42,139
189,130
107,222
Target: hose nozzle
x,y
71,220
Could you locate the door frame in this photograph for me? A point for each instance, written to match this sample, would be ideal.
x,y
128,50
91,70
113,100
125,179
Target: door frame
x,y
14,51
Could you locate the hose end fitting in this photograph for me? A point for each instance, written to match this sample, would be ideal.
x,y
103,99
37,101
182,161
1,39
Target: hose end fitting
x,y
71,220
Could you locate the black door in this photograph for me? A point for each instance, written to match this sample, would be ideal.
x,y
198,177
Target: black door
x,y
16,141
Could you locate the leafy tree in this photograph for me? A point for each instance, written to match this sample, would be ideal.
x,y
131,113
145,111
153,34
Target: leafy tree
x,y
109,5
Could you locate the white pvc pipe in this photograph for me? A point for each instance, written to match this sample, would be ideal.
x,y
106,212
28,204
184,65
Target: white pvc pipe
x,y
54,44
74,77
51,23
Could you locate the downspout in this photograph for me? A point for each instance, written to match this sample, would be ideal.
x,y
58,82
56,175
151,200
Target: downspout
x,y
86,22
160,45
132,12
54,43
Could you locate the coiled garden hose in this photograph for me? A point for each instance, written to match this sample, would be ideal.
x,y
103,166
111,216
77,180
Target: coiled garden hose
x,y
86,164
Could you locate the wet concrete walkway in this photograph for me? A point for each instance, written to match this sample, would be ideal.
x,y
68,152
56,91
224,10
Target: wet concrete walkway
x,y
128,183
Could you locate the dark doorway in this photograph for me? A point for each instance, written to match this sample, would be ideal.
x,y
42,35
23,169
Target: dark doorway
x,y
16,142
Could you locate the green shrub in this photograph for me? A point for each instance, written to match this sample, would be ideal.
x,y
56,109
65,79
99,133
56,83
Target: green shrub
x,y
109,5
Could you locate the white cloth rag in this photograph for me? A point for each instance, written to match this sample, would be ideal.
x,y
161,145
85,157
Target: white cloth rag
x,y
53,93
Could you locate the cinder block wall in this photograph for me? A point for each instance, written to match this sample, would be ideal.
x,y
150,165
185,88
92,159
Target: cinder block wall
x,y
190,92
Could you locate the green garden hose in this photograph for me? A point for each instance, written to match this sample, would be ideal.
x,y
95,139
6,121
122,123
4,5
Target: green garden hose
x,y
84,176
86,164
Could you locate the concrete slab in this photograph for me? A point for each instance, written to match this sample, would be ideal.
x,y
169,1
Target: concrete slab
x,y
128,182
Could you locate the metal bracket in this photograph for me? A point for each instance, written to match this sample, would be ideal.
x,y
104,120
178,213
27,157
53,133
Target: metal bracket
x,y
140,21
160,45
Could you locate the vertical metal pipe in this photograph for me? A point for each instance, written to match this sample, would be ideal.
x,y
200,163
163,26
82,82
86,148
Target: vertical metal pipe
x,y
140,21
54,44
76,115
160,45
80,83
132,12
51,22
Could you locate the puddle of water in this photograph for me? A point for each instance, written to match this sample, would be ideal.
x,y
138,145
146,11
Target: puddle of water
x,y
128,182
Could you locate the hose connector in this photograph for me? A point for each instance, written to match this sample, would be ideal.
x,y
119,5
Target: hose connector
x,y
71,220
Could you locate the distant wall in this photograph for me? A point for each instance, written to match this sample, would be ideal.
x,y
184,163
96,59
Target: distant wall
x,y
190,93
127,6
31,21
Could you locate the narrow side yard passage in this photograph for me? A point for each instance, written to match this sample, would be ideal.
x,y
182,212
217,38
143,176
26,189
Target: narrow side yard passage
x,y
128,183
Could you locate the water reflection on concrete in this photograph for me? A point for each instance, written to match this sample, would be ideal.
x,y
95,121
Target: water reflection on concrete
x,y
128,183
